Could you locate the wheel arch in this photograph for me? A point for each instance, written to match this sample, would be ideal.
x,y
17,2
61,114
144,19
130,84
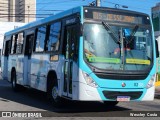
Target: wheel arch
x,y
51,79
12,71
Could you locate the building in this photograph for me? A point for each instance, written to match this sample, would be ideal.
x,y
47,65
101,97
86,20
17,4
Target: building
x,y
4,10
7,26
156,19
17,10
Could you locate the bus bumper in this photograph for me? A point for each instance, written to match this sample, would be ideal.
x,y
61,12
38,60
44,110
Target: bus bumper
x,y
149,95
88,93
132,95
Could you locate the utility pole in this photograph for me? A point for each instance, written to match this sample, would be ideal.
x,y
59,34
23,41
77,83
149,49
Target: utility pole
x,y
98,3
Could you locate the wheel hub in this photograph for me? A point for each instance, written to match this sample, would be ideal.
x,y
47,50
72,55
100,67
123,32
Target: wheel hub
x,y
55,92
14,83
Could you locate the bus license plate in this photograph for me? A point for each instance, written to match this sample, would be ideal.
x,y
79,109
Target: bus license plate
x,y
123,98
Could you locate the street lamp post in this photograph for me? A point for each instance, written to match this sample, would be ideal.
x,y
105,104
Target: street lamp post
x,y
98,3
28,13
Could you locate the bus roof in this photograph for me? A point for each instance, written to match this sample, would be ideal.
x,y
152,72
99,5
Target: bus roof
x,y
45,20
64,14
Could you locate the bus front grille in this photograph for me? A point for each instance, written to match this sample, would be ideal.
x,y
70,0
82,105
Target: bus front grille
x,y
121,76
114,94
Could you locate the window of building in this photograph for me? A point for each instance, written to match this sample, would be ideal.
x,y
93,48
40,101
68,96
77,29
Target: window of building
x,y
20,40
41,35
54,37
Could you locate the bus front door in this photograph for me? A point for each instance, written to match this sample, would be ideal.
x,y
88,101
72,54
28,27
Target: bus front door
x,y
69,51
27,59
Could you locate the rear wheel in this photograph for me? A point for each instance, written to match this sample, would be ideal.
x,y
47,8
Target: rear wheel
x,y
14,81
53,94
110,103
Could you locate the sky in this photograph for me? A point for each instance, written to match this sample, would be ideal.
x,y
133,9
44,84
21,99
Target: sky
x,y
50,7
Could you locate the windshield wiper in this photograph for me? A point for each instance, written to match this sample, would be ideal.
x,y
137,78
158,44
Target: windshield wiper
x,y
133,33
111,32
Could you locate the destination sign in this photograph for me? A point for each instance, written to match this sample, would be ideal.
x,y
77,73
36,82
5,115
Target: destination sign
x,y
116,17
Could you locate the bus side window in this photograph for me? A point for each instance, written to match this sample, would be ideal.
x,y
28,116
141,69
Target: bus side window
x,y
7,48
54,37
75,41
29,44
40,39
20,40
14,44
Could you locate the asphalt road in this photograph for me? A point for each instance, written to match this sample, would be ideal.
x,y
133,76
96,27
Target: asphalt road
x,y
32,100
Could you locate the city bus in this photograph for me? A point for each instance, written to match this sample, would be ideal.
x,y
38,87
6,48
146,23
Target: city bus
x,y
84,54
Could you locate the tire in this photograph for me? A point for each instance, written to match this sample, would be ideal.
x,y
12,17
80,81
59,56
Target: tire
x,y
110,103
15,86
53,94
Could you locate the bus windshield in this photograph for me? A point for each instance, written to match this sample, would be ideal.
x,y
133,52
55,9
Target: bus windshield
x,y
118,47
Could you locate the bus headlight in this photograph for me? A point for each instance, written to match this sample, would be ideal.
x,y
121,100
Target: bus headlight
x,y
89,80
151,82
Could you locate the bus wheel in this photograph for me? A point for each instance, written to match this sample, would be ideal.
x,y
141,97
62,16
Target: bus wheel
x,y
14,81
53,95
110,103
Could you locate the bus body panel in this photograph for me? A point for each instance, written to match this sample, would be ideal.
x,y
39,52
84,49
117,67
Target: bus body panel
x,y
4,67
149,95
11,65
75,81
39,69
21,62
86,92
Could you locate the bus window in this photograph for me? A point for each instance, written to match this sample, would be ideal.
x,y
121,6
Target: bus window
x,y
54,37
29,44
14,44
7,48
41,35
20,43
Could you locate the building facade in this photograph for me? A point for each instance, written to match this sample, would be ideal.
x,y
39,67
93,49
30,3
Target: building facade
x,y
156,19
17,11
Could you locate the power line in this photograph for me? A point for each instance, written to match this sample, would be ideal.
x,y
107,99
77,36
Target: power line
x,y
44,3
33,10
124,5
22,16
48,3
26,14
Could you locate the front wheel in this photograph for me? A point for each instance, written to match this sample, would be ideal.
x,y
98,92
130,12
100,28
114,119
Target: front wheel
x,y
110,103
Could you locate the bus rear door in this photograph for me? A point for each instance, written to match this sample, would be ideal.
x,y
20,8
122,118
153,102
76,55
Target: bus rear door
x,y
27,58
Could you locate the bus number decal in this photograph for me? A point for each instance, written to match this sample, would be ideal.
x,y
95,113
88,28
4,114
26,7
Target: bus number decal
x,y
54,58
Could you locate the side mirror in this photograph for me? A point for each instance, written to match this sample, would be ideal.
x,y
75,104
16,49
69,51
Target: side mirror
x,y
157,51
